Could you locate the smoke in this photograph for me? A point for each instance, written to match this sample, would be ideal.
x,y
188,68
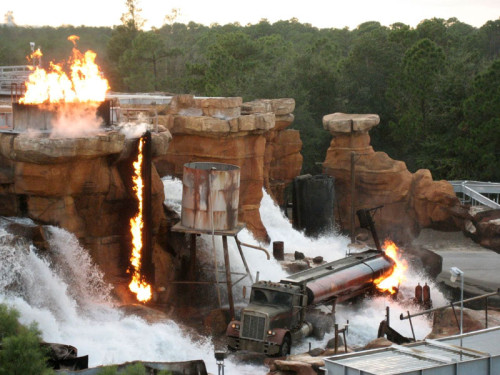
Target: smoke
x,y
133,129
75,120
31,133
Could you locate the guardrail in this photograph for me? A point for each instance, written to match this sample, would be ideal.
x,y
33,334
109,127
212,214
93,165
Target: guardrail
x,y
452,305
478,193
13,75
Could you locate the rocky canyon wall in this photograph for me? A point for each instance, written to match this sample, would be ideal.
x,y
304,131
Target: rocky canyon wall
x,y
411,201
252,135
83,185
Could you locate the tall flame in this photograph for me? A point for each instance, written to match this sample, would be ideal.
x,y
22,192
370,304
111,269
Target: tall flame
x,y
84,84
138,285
389,284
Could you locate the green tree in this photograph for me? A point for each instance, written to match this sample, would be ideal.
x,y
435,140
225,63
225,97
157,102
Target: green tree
x,y
121,40
132,17
21,353
230,63
478,144
142,65
108,370
9,325
415,94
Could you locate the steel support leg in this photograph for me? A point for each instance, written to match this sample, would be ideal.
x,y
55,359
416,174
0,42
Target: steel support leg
x,y
228,277
243,258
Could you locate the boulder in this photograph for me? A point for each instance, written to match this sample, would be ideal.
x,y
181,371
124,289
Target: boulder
x,y
410,201
284,106
224,108
295,367
346,123
41,149
341,350
484,228
432,201
83,185
331,343
445,323
267,157
380,342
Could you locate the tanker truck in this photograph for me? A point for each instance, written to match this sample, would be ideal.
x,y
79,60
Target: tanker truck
x,y
281,313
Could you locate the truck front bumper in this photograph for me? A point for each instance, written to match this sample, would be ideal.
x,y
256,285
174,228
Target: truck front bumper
x,y
266,347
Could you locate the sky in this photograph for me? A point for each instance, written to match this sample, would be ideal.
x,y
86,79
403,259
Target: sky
x,y
319,13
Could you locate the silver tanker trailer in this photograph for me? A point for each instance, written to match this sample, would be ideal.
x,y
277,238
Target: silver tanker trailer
x,y
281,313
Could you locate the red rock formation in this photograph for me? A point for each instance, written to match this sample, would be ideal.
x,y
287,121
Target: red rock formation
x,y
83,185
225,130
411,201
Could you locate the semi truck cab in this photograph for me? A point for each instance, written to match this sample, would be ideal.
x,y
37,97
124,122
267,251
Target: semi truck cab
x,y
279,313
270,319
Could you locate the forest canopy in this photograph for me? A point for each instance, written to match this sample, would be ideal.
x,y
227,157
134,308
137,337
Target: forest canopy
x,y
436,86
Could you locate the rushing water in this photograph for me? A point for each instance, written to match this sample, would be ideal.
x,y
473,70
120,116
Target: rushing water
x,y
64,292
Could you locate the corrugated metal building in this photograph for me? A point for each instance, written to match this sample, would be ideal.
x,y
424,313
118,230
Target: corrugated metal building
x,y
475,353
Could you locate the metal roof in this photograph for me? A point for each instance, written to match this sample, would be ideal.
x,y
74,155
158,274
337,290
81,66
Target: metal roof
x,y
486,340
475,353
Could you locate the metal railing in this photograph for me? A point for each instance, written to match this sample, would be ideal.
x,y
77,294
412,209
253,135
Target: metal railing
x,y
478,193
9,75
452,305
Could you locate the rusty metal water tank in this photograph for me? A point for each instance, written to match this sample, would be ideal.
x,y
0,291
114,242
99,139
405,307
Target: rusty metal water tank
x,y
210,196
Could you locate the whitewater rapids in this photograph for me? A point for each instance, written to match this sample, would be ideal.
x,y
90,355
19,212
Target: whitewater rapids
x,y
64,292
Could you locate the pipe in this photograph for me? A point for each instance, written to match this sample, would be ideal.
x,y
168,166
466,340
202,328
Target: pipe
x,y
253,247
402,317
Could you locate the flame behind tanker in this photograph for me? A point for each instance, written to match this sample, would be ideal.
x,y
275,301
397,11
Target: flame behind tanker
x,y
279,313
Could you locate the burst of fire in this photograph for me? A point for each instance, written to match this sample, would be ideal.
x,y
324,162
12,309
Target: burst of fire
x,y
85,82
35,55
390,283
138,285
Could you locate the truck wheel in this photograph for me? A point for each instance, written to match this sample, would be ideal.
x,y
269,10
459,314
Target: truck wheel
x,y
285,346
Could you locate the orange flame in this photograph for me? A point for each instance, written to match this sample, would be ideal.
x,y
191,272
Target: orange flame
x,y
390,283
35,55
138,285
86,84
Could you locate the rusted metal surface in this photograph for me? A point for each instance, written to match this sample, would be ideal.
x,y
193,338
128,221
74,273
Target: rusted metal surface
x,y
350,281
41,116
31,116
210,196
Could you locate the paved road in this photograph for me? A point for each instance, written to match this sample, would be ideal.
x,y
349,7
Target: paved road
x,y
481,266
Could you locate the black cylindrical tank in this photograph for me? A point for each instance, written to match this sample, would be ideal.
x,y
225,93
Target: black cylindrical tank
x,y
313,203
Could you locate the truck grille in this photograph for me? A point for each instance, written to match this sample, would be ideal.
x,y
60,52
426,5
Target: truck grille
x,y
253,327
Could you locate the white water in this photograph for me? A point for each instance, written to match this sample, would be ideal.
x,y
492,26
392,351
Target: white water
x,y
66,296
364,318
64,293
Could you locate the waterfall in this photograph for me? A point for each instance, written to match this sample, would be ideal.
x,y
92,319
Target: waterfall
x,y
64,292
364,317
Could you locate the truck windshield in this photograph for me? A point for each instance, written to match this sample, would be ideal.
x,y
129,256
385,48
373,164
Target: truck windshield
x,y
270,297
